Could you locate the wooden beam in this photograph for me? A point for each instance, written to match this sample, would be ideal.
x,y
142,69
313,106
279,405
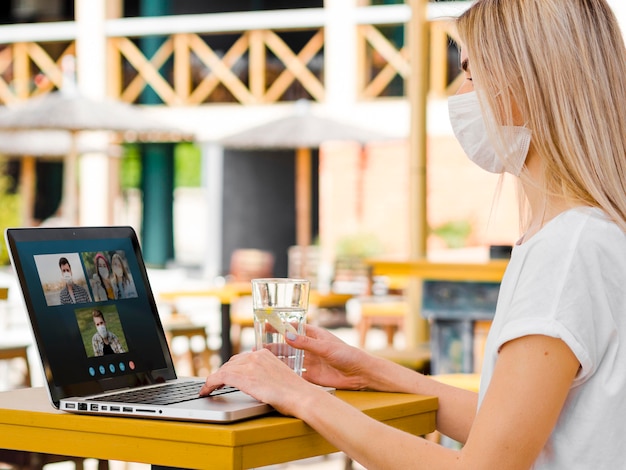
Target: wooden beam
x,y
148,71
303,196
204,89
182,67
28,183
257,65
294,65
221,70
21,70
417,328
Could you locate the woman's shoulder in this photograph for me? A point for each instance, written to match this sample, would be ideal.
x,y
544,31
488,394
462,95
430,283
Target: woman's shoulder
x,y
585,239
578,225
592,229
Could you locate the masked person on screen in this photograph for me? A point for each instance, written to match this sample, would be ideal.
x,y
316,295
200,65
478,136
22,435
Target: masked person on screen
x,y
103,275
121,280
104,342
543,99
71,293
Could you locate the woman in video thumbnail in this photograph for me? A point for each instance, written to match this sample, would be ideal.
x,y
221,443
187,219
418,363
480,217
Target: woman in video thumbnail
x,y
103,274
123,284
104,342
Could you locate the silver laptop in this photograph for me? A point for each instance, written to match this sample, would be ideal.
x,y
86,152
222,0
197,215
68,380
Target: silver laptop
x,y
102,344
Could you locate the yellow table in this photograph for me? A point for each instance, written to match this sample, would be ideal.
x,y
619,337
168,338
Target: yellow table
x,y
230,292
402,271
28,422
490,271
226,295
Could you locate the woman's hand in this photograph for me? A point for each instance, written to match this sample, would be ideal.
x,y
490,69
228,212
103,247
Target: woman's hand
x,y
329,361
265,377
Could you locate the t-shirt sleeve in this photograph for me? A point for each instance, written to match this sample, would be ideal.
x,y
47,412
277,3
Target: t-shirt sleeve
x,y
565,295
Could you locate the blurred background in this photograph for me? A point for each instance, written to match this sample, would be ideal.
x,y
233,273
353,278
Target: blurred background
x,y
298,138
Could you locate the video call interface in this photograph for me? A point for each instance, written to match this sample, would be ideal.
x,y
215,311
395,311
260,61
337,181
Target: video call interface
x,y
93,312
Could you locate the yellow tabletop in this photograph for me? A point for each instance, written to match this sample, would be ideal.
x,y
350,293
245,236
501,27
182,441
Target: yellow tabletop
x,y
226,293
469,381
28,422
231,291
491,271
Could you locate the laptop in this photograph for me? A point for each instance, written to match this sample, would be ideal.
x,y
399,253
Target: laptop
x,y
102,344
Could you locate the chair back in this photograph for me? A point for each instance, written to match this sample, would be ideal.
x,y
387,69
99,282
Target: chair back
x,y
248,263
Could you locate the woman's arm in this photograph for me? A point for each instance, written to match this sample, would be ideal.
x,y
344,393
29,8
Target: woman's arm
x,y
531,381
330,361
525,398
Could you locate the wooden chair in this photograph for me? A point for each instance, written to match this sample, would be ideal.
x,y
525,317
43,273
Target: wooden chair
x,y
191,320
417,358
386,312
35,461
241,318
248,263
17,352
199,360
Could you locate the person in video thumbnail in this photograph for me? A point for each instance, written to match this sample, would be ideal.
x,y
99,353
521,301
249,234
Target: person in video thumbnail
x,y
71,293
123,284
103,274
104,342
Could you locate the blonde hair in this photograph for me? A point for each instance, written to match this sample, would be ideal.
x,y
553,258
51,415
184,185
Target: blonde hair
x,y
562,64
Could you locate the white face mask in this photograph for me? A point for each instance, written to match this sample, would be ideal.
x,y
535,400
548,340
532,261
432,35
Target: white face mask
x,y
102,330
118,271
67,276
104,272
470,130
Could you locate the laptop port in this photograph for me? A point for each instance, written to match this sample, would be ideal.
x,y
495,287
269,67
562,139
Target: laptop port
x,y
115,408
128,409
93,407
70,406
82,406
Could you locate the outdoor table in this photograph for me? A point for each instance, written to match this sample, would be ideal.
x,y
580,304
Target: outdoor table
x,y
490,271
226,294
28,422
231,291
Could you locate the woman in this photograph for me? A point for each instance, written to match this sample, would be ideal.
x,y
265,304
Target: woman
x,y
103,273
543,99
122,282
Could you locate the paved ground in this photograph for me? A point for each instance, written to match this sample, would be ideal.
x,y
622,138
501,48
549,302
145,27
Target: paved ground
x,y
331,462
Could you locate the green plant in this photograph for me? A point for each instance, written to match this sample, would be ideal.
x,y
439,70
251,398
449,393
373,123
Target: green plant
x,y
454,233
9,210
187,166
130,167
360,245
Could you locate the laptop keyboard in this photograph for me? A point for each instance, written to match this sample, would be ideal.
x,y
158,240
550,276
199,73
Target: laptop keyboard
x,y
166,394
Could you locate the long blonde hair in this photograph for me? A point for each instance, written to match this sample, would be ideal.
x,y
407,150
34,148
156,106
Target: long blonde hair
x,y
563,66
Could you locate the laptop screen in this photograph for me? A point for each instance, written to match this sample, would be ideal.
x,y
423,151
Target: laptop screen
x,y
91,308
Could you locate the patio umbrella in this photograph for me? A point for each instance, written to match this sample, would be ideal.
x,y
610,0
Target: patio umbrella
x,y
49,145
69,111
302,131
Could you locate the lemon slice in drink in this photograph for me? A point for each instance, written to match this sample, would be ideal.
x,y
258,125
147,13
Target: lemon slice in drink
x,y
273,318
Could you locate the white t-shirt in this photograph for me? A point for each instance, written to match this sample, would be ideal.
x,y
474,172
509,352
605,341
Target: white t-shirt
x,y
569,282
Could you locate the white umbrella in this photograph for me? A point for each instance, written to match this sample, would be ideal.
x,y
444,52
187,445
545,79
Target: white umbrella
x,y
302,131
32,145
69,111
49,144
